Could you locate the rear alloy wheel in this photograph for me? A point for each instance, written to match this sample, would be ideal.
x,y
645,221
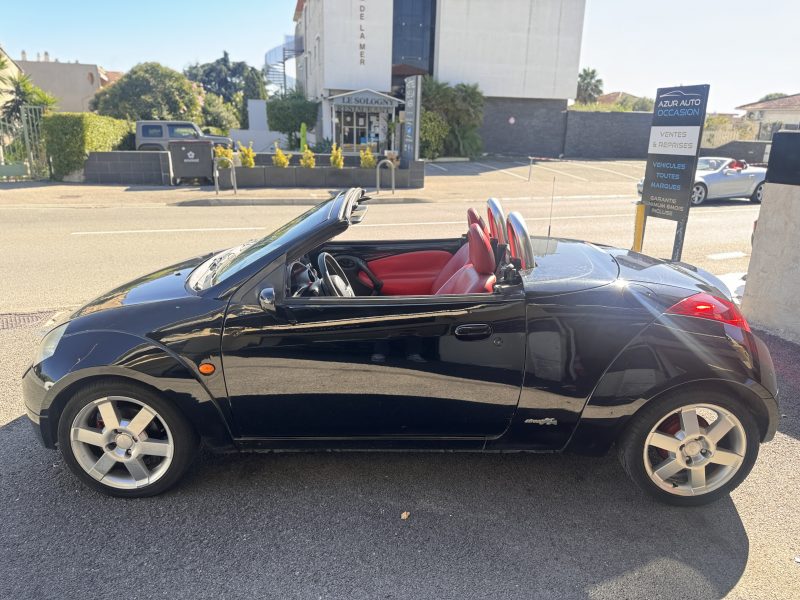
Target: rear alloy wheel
x,y
699,192
758,193
124,440
692,448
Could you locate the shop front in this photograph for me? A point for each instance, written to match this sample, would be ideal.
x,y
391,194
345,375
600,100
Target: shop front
x,y
364,118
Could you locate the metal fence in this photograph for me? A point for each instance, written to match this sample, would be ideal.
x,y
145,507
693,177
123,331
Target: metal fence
x,y
22,142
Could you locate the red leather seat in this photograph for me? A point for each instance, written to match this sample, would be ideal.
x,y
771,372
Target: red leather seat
x,y
477,276
461,257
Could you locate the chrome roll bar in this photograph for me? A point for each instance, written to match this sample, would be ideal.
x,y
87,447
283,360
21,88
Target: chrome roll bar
x,y
497,220
519,241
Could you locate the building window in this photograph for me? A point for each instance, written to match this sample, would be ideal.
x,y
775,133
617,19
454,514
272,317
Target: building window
x,y
90,77
413,34
152,131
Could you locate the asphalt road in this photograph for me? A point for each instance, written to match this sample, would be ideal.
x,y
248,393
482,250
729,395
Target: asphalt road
x,y
329,525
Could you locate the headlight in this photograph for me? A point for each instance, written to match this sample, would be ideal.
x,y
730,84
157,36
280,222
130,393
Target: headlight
x,y
48,345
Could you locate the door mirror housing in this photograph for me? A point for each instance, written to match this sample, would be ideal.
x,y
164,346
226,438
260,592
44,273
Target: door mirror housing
x,y
266,298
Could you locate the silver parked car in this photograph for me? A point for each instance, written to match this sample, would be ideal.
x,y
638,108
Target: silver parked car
x,y
719,177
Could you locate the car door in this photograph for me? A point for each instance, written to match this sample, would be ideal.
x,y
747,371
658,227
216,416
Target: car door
x,y
367,367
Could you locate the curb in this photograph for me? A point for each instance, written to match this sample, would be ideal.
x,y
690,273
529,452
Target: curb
x,y
203,202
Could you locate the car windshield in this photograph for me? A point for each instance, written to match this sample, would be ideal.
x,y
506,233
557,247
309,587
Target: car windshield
x,y
710,164
229,262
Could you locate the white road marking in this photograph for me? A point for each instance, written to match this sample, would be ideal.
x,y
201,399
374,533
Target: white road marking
x,y
436,166
535,166
500,170
607,171
726,255
187,230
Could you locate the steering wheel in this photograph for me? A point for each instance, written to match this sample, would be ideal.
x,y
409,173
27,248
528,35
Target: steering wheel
x,y
334,281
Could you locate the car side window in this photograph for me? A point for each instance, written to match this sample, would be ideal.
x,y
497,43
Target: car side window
x,y
182,131
152,131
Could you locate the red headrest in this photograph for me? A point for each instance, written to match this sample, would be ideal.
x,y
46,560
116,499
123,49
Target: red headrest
x,y
474,217
481,254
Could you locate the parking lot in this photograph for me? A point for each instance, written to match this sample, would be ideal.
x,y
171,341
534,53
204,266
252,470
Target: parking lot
x,y
328,525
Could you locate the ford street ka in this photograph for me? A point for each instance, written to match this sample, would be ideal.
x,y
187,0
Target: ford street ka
x,y
490,342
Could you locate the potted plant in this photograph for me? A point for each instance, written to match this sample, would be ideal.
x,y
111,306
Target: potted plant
x,y
338,176
279,174
248,175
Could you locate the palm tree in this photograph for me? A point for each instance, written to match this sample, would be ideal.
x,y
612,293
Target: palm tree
x,y
23,92
590,86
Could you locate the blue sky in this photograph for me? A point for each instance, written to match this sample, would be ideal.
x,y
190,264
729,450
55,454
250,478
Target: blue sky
x,y
744,49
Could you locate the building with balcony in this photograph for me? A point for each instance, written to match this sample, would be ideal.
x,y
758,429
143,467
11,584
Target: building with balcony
x,y
353,56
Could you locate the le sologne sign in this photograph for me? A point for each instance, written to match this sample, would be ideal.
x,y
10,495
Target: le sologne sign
x,y
675,133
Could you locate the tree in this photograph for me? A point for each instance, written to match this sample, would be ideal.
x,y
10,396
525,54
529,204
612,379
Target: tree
x,y
465,117
218,113
149,91
772,96
22,92
643,104
222,77
590,86
287,113
460,109
253,88
433,130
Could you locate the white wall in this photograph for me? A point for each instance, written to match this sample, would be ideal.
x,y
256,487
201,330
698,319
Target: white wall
x,y
349,24
772,292
511,48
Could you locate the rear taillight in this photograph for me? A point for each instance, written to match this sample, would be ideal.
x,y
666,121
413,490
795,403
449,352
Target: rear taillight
x,y
706,306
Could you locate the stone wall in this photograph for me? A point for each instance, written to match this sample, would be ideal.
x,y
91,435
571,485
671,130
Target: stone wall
x,y
607,134
752,151
523,127
772,293
129,167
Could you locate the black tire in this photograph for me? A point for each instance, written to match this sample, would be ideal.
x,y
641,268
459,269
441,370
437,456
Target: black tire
x,y
757,193
631,444
705,194
184,438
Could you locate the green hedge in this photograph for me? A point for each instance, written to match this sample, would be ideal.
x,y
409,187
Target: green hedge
x,y
70,137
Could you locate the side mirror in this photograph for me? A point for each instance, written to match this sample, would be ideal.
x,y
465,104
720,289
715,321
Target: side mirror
x,y
730,171
266,298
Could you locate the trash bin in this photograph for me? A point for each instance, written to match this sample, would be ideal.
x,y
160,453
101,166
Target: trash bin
x,y
192,159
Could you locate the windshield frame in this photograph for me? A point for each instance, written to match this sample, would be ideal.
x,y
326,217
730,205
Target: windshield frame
x,y
321,222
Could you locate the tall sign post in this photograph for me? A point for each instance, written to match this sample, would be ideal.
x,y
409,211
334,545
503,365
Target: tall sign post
x,y
413,107
674,145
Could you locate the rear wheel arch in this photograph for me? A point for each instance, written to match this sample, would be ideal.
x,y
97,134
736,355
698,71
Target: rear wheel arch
x,y
754,404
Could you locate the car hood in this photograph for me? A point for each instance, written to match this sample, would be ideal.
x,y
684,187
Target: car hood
x,y
165,284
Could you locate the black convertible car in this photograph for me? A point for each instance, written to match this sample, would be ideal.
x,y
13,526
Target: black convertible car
x,y
494,341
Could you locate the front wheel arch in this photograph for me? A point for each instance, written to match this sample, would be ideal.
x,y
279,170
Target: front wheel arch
x,y
215,435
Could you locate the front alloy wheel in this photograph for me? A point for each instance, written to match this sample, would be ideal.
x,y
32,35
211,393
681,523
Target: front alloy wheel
x,y
690,448
124,440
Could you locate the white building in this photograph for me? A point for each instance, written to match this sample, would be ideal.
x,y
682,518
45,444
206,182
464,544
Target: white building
x,y
353,56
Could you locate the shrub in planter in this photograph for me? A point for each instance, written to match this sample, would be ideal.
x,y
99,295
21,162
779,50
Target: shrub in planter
x,y
307,160
247,155
280,158
367,158
337,159
70,137
225,154
303,136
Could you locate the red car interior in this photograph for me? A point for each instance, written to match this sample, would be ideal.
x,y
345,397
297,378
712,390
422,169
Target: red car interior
x,y
474,217
476,277
421,273
410,273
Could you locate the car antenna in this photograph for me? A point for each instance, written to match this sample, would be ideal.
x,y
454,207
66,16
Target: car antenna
x,y
552,201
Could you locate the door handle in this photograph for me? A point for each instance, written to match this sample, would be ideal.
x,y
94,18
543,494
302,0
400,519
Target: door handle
x,y
473,331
